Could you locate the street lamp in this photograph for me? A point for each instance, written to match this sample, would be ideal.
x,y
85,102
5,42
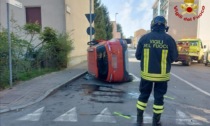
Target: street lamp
x,y
116,17
116,20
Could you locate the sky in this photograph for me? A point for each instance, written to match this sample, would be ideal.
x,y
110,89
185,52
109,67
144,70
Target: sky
x,y
132,14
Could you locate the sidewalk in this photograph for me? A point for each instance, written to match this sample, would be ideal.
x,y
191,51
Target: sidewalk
x,y
35,90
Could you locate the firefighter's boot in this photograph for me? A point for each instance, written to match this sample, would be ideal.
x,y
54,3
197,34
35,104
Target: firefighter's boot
x,y
139,117
156,120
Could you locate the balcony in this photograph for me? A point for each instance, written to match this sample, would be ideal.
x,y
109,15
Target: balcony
x,y
163,4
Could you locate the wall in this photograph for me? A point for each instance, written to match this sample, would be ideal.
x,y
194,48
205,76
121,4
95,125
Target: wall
x,y
76,25
137,35
115,34
203,23
52,13
178,27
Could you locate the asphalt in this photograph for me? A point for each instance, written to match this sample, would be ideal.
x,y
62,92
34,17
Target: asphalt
x,y
33,91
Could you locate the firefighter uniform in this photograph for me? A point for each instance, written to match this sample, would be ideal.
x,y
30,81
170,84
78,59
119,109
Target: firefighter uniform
x,y
156,50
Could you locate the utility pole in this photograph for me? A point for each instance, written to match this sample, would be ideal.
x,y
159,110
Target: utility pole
x,y
19,5
116,17
90,20
9,42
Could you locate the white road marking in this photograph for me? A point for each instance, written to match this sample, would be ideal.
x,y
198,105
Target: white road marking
x,y
134,95
35,116
70,116
192,85
147,118
132,54
133,60
131,50
135,78
183,119
105,116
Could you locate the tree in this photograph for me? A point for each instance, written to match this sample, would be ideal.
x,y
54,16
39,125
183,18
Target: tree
x,y
102,22
108,24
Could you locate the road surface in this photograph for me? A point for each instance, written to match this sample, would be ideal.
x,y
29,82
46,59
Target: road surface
x,y
83,102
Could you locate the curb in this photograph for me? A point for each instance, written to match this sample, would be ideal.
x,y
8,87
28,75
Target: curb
x,y
50,91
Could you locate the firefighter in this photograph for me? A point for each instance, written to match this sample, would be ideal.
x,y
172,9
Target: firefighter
x,y
156,50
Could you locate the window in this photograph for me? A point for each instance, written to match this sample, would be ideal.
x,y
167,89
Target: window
x,y
33,14
194,43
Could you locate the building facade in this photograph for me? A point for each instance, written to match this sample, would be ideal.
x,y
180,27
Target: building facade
x,y
115,33
160,7
66,16
203,30
137,35
178,28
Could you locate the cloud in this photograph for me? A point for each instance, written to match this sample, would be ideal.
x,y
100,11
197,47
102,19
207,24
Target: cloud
x,y
132,14
142,16
127,22
143,5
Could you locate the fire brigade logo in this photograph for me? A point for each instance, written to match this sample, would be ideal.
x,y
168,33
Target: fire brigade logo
x,y
188,10
189,7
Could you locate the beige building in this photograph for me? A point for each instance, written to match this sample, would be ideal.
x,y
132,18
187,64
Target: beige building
x,y
66,16
178,28
115,33
203,23
137,35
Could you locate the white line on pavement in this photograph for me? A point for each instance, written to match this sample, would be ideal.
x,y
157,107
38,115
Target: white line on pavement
x,y
70,116
105,116
192,85
132,54
183,119
35,116
133,60
135,78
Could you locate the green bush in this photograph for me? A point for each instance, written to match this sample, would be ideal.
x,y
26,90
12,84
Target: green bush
x,y
55,48
29,61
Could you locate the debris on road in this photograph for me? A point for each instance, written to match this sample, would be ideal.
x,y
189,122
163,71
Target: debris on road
x,y
122,115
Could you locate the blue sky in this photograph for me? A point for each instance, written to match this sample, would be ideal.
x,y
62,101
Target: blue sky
x,y
132,14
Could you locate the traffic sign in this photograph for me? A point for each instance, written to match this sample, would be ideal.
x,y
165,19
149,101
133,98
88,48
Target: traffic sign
x,y
88,17
89,32
15,3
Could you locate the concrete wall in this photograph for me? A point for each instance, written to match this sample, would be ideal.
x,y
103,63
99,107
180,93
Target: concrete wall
x,y
63,15
137,35
178,27
203,23
52,13
115,34
76,25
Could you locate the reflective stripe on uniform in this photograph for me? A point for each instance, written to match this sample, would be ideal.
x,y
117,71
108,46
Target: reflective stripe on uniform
x,y
146,60
141,105
158,109
164,61
158,106
155,77
162,76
